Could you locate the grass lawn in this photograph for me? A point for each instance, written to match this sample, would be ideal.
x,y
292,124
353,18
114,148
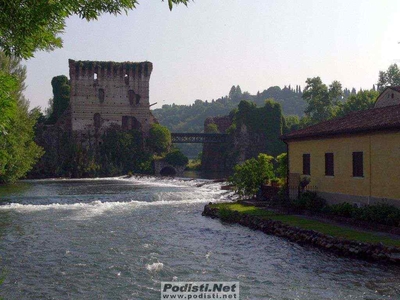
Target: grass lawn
x,y
304,223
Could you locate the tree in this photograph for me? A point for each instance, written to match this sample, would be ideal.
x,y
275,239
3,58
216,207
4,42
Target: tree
x,y
60,101
282,165
176,158
322,101
235,93
122,152
360,101
30,25
292,123
8,84
249,176
389,78
18,152
159,139
211,128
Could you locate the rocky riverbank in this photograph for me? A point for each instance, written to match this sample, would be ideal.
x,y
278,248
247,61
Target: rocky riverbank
x,y
342,247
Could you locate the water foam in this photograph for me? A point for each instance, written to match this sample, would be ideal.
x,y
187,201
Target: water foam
x,y
87,206
155,267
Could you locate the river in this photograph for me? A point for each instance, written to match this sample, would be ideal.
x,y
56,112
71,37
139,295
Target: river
x,y
119,238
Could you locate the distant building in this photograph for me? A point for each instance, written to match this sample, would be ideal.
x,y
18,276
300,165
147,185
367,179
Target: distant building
x,y
106,93
355,158
389,96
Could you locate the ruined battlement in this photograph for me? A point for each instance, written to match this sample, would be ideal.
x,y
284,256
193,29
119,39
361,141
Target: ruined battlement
x,y
104,69
106,93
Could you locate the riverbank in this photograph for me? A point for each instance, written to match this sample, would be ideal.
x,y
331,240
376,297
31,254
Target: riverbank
x,y
333,238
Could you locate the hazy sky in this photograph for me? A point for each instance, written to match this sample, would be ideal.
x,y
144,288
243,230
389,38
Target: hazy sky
x,y
200,51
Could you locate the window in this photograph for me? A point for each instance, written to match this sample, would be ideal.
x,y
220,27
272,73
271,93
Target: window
x,y
129,123
126,78
306,164
101,95
358,165
131,97
329,165
97,120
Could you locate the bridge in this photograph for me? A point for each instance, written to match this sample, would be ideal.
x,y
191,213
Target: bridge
x,y
199,138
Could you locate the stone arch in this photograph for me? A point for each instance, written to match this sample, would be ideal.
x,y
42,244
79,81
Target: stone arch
x,y
168,171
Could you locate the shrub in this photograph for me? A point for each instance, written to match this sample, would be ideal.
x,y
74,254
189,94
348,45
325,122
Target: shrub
x,y
342,209
310,201
159,139
176,158
379,213
249,176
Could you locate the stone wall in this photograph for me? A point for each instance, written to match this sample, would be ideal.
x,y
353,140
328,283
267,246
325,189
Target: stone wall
x,y
342,247
214,155
105,93
160,165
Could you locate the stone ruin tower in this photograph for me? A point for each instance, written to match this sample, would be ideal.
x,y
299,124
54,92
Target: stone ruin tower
x,y
106,93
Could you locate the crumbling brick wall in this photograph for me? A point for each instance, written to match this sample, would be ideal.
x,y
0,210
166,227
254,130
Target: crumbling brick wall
x,y
105,93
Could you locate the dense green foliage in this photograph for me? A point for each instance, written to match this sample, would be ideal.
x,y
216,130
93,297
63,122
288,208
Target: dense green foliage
x,y
249,176
266,122
122,152
119,152
18,151
159,139
61,93
391,77
309,201
211,128
176,158
190,118
321,99
325,102
361,101
8,105
282,168
378,213
30,25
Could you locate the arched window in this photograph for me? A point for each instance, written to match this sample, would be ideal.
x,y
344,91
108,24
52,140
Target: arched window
x,y
126,78
129,123
97,120
101,95
131,97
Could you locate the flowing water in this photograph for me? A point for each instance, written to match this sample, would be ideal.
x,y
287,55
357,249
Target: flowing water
x,y
119,238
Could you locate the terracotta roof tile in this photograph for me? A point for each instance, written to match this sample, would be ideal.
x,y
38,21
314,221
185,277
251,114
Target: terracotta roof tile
x,y
385,118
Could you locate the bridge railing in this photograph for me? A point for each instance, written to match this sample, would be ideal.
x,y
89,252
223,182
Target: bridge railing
x,y
199,137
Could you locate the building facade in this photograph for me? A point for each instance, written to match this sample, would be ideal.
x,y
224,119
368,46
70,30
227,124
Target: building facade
x,y
106,93
354,159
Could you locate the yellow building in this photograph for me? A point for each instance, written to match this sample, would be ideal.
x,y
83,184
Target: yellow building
x,y
354,159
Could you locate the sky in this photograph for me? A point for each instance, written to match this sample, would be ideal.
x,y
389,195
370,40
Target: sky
x,y
200,51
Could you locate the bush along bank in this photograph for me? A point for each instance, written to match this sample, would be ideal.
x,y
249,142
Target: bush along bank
x,y
340,246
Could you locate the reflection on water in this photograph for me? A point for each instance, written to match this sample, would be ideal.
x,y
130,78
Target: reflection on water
x,y
119,238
